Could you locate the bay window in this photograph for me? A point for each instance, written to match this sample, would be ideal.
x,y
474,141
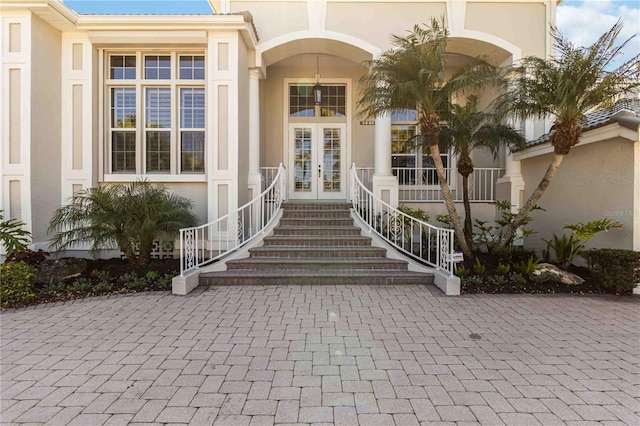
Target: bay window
x,y
156,104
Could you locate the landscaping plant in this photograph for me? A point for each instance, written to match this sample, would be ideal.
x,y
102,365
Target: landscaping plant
x,y
617,270
128,217
567,87
566,248
16,283
467,130
414,75
12,235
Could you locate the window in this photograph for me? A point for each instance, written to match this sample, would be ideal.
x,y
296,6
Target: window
x,y
411,162
192,130
123,67
156,113
157,67
191,67
158,129
333,104
123,129
334,101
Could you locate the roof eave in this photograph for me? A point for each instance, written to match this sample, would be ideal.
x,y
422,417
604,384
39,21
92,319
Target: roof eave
x,y
600,134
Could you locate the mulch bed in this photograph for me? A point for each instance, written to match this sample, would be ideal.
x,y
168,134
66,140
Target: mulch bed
x,y
118,267
115,268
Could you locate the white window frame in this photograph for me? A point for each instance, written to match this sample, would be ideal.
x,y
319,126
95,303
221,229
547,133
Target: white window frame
x,y
140,84
419,154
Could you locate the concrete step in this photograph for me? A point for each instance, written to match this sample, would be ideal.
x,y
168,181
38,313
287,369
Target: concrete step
x,y
317,264
316,221
332,277
315,206
328,214
316,243
317,240
318,251
317,230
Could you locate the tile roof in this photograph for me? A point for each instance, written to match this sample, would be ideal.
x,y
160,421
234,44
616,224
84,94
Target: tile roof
x,y
626,112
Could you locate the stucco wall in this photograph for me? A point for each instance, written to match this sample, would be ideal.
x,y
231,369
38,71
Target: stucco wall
x,y
45,127
196,192
522,24
274,18
595,181
375,22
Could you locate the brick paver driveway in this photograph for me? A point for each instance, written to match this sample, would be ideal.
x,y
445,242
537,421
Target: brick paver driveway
x,y
323,354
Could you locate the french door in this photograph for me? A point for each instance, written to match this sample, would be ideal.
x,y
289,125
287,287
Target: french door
x,y
317,162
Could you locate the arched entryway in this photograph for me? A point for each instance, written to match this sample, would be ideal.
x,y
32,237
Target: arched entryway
x,y
309,114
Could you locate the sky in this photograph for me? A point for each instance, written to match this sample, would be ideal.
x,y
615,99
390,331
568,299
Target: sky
x,y
581,21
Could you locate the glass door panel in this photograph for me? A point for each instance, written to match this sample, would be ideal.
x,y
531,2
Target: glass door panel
x,y
317,161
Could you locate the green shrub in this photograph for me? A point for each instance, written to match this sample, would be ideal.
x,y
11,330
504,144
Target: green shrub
x,y
81,286
462,271
517,278
503,269
12,236
566,248
130,217
55,288
16,283
165,282
103,287
479,268
526,267
617,270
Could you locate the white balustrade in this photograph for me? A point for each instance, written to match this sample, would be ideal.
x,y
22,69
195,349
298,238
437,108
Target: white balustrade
x,y
207,243
424,242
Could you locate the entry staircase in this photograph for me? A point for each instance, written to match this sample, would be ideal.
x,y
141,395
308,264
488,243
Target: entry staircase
x,y
316,243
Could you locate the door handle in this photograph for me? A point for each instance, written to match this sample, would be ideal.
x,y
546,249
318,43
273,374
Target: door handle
x,y
319,171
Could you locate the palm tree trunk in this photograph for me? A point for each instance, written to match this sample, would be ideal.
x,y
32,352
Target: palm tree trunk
x,y
532,201
448,201
468,226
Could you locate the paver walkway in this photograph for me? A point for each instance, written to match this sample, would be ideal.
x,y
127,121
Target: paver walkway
x,y
323,354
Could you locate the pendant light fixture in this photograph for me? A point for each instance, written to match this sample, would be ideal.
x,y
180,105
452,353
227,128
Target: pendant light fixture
x,y
317,89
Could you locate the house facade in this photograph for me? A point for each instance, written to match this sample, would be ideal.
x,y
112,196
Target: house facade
x,y
210,104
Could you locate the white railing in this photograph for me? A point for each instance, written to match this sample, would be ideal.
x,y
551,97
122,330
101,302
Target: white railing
x,y
268,174
415,238
204,244
420,184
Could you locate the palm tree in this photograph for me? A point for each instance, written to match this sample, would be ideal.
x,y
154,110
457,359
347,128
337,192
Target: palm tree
x,y
414,75
468,129
129,217
568,87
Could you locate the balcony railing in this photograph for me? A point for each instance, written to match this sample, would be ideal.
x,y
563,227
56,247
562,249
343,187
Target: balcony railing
x,y
421,184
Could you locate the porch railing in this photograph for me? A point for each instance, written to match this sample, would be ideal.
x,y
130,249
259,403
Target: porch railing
x,y
413,237
420,184
204,244
268,174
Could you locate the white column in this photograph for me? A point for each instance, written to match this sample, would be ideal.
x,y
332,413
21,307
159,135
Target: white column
x,y
383,146
512,167
510,187
385,184
255,177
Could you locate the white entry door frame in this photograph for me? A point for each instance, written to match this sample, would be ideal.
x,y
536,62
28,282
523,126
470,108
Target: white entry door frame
x,y
317,161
